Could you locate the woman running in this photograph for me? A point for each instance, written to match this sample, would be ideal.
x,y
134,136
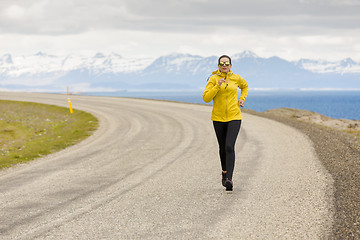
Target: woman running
x,y
226,115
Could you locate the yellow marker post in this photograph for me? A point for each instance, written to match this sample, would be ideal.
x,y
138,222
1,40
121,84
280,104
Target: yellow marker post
x,y
71,110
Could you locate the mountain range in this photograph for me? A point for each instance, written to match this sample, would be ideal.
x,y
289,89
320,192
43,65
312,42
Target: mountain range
x,y
104,73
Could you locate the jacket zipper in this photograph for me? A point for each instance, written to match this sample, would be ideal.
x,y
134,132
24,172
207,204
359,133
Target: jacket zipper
x,y
227,96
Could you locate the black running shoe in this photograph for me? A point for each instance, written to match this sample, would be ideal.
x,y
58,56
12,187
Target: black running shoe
x,y
228,184
223,178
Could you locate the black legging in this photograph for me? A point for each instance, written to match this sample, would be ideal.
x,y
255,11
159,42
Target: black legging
x,y
226,133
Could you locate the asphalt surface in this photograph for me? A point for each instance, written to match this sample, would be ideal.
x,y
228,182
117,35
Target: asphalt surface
x,y
339,153
152,171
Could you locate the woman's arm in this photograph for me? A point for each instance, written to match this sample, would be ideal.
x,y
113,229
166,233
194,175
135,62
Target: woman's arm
x,y
211,89
244,89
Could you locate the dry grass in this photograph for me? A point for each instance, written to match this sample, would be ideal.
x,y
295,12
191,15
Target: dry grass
x,y
32,130
345,125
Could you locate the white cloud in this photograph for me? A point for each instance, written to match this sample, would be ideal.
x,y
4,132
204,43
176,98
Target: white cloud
x,y
345,3
14,12
288,28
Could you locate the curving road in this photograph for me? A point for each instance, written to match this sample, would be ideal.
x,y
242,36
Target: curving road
x,y
151,171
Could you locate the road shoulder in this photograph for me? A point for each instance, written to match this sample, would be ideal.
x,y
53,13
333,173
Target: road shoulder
x,y
339,153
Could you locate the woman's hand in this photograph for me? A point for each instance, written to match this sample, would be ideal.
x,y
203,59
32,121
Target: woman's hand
x,y
221,81
241,103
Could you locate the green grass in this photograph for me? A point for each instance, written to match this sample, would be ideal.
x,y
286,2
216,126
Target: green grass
x,y
32,130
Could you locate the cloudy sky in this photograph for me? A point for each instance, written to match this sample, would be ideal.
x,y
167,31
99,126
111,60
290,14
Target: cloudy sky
x,y
291,29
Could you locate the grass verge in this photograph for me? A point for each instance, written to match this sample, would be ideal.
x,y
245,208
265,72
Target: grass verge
x,y
32,130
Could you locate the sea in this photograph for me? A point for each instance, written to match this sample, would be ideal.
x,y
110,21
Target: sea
x,y
334,103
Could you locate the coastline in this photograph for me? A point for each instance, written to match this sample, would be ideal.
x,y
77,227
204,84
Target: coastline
x,y
332,103
344,125
339,153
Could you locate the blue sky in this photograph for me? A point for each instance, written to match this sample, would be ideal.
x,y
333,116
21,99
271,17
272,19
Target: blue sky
x,y
291,29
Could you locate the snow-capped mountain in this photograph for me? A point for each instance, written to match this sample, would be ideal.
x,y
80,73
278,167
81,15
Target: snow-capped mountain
x,y
41,62
244,54
112,72
321,66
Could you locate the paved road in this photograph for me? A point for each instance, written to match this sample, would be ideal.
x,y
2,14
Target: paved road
x,y
151,171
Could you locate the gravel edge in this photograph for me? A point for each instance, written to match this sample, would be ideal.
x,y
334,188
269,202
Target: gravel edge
x,y
339,153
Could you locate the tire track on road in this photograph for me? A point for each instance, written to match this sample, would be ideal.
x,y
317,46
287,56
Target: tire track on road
x,y
163,180
177,150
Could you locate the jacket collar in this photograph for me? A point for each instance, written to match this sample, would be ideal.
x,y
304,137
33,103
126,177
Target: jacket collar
x,y
217,72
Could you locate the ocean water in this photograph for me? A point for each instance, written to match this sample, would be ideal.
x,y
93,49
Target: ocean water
x,y
335,104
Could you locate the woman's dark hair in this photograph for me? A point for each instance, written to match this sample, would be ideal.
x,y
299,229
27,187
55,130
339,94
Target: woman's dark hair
x,y
224,56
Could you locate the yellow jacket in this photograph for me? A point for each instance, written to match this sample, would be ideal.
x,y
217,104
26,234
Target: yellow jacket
x,y
225,99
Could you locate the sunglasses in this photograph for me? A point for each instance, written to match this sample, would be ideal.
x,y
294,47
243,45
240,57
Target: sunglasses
x,y
224,63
